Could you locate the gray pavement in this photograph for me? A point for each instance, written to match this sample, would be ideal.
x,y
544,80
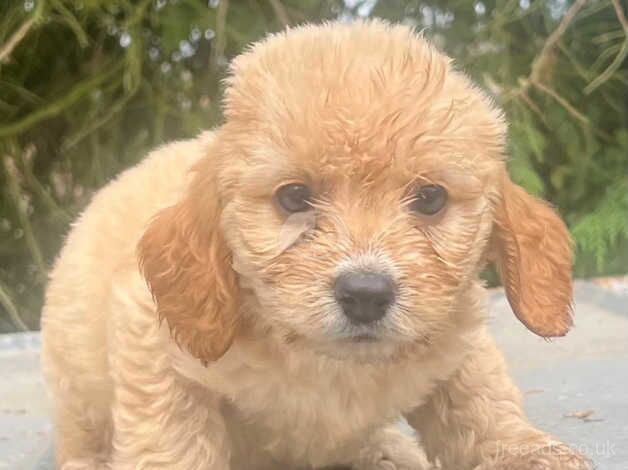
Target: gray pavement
x,y
575,387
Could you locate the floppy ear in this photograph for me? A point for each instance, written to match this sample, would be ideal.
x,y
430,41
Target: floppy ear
x,y
532,251
187,265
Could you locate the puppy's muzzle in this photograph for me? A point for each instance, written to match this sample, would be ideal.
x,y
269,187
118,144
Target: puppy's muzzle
x,y
364,296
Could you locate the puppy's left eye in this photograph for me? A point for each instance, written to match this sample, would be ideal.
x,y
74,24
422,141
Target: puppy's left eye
x,y
294,197
429,199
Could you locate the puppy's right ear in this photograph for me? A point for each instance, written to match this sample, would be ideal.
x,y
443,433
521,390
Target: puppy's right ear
x,y
187,265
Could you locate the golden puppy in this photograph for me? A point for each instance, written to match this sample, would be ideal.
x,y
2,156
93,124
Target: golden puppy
x,y
313,278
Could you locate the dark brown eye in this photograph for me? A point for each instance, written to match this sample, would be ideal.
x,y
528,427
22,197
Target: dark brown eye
x,y
294,197
429,199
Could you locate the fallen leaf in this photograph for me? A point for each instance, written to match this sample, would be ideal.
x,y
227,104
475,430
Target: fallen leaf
x,y
583,415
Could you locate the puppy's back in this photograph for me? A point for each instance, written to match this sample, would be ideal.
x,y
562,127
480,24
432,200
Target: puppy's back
x,y
76,321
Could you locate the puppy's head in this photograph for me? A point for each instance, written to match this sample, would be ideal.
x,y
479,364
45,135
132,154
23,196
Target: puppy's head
x,y
350,200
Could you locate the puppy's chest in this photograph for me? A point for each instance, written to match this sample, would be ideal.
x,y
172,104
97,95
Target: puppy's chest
x,y
296,415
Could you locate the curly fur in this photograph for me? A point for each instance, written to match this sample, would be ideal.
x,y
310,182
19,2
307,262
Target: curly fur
x,y
534,251
225,348
180,254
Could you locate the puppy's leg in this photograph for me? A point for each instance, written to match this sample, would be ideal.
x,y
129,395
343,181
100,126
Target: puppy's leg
x,y
163,426
78,434
475,421
81,401
388,448
160,419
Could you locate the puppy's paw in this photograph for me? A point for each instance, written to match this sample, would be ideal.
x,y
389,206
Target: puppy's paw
x,y
387,462
555,456
85,464
403,454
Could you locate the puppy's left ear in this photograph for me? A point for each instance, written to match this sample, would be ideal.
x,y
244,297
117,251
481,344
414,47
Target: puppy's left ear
x,y
532,250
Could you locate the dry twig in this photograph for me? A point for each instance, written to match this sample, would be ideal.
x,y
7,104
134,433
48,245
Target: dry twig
x,y
15,39
584,415
221,38
7,49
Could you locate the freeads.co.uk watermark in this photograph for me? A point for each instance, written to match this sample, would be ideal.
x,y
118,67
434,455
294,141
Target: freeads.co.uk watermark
x,y
601,449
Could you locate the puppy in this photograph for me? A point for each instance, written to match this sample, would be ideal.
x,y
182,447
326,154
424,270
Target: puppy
x,y
308,274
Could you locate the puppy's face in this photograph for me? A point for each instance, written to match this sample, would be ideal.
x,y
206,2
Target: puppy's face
x,y
356,243
358,180
344,256
360,183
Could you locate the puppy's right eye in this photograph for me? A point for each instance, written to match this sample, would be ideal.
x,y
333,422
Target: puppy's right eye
x,y
294,197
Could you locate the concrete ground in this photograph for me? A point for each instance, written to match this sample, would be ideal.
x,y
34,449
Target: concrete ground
x,y
575,387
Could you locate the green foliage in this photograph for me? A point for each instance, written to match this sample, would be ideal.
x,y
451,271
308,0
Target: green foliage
x,y
599,231
87,87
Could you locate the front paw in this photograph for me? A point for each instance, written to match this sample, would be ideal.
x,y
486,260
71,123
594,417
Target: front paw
x,y
555,456
391,449
409,459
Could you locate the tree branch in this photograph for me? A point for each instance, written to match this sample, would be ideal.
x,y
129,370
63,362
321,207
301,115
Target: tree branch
x,y
72,22
565,104
221,38
544,56
541,61
16,194
619,58
31,181
17,37
280,12
56,107
9,306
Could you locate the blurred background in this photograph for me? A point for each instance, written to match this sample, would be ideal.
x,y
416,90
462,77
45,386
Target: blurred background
x,y
88,87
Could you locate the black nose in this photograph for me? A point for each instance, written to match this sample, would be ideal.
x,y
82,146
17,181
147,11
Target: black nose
x,y
363,296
